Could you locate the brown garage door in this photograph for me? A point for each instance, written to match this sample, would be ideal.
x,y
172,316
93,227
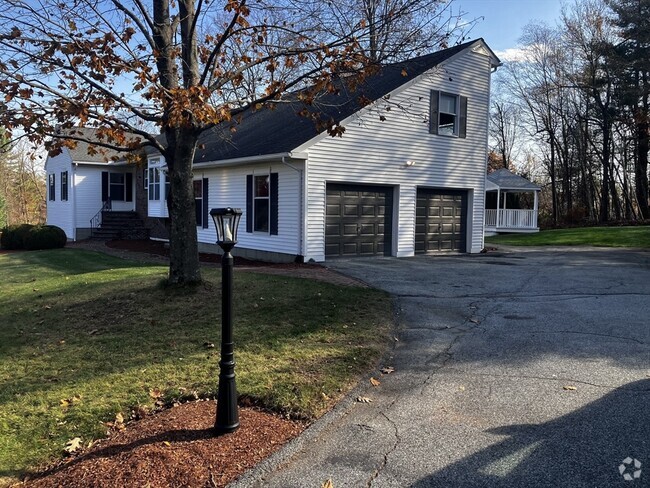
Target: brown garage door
x,y
440,220
358,220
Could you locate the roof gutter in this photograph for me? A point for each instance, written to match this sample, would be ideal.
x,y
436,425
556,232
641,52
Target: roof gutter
x,y
264,158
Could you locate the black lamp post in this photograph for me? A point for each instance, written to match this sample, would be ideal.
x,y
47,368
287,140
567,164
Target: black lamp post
x,y
226,220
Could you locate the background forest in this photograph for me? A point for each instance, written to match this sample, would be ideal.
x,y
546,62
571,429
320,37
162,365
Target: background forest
x,y
570,111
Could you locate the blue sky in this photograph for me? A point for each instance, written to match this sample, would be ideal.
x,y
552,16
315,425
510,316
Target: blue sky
x,y
504,19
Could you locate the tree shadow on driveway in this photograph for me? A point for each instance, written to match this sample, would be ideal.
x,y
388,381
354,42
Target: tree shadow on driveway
x,y
585,448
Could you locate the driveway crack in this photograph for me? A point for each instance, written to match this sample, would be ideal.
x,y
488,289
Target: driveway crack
x,y
381,467
547,378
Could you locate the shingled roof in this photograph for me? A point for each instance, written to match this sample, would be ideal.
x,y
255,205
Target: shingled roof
x,y
102,155
507,180
282,130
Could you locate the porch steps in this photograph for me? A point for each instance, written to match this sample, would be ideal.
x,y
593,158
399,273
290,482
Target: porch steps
x,y
120,225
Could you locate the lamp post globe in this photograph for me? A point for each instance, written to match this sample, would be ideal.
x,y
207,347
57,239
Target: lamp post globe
x,y
226,221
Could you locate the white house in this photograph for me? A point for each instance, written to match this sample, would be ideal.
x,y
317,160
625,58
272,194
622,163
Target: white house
x,y
408,175
79,185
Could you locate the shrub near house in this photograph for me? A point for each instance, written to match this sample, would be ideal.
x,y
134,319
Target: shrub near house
x,y
32,237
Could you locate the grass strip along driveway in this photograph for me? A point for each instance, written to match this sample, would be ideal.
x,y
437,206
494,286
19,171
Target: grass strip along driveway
x,y
85,337
637,237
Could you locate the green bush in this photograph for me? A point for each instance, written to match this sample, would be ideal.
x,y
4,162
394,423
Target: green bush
x,y
13,236
32,237
45,237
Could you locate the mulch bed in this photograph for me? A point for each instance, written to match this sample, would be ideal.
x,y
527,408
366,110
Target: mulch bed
x,y
176,447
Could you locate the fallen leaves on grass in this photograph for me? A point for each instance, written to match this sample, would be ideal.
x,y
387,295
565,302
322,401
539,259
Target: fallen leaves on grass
x,y
67,402
155,393
72,445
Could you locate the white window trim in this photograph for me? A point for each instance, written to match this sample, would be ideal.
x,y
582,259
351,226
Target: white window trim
x,y
156,165
456,115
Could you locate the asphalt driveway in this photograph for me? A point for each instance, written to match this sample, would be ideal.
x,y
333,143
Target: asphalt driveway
x,y
517,369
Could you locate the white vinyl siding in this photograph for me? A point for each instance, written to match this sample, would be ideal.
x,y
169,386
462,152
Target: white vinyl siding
x,y
227,188
375,152
87,181
60,213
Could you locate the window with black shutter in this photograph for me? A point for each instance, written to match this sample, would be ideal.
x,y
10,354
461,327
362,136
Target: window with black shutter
x,y
262,203
64,186
52,187
448,114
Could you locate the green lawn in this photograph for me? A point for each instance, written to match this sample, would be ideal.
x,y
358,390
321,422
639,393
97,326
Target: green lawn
x,y
585,236
85,336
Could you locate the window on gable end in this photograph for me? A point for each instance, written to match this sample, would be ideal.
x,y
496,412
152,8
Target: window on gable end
x,y
448,114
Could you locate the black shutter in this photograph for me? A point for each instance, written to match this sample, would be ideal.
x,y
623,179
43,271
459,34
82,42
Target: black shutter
x,y
273,224
249,203
129,187
433,111
104,186
53,187
205,203
462,122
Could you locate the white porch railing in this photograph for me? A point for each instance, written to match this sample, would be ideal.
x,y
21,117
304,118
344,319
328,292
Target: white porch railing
x,y
490,217
511,219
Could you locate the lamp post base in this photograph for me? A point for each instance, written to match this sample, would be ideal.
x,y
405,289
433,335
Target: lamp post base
x,y
227,410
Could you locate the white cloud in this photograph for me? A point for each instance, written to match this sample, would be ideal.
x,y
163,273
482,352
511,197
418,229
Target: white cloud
x,y
513,54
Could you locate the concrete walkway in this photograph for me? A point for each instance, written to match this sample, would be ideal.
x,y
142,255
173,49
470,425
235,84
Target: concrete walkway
x,y
518,369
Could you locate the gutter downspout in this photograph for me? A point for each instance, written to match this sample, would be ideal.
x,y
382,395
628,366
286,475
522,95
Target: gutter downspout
x,y
301,205
72,184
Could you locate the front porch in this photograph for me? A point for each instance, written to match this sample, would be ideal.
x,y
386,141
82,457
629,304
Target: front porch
x,y
511,204
509,220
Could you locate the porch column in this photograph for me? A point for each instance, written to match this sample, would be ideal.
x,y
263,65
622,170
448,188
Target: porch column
x,y
505,206
536,207
498,224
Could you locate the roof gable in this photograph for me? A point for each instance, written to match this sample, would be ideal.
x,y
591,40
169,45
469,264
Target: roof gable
x,y
281,130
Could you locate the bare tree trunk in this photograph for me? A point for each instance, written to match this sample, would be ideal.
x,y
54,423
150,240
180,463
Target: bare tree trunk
x,y
183,252
641,168
553,182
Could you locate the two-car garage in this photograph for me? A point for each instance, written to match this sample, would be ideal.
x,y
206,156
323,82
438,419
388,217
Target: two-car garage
x,y
359,220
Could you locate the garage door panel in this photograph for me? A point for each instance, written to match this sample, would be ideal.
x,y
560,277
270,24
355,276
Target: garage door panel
x,y
331,229
448,228
440,223
363,229
349,248
333,210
